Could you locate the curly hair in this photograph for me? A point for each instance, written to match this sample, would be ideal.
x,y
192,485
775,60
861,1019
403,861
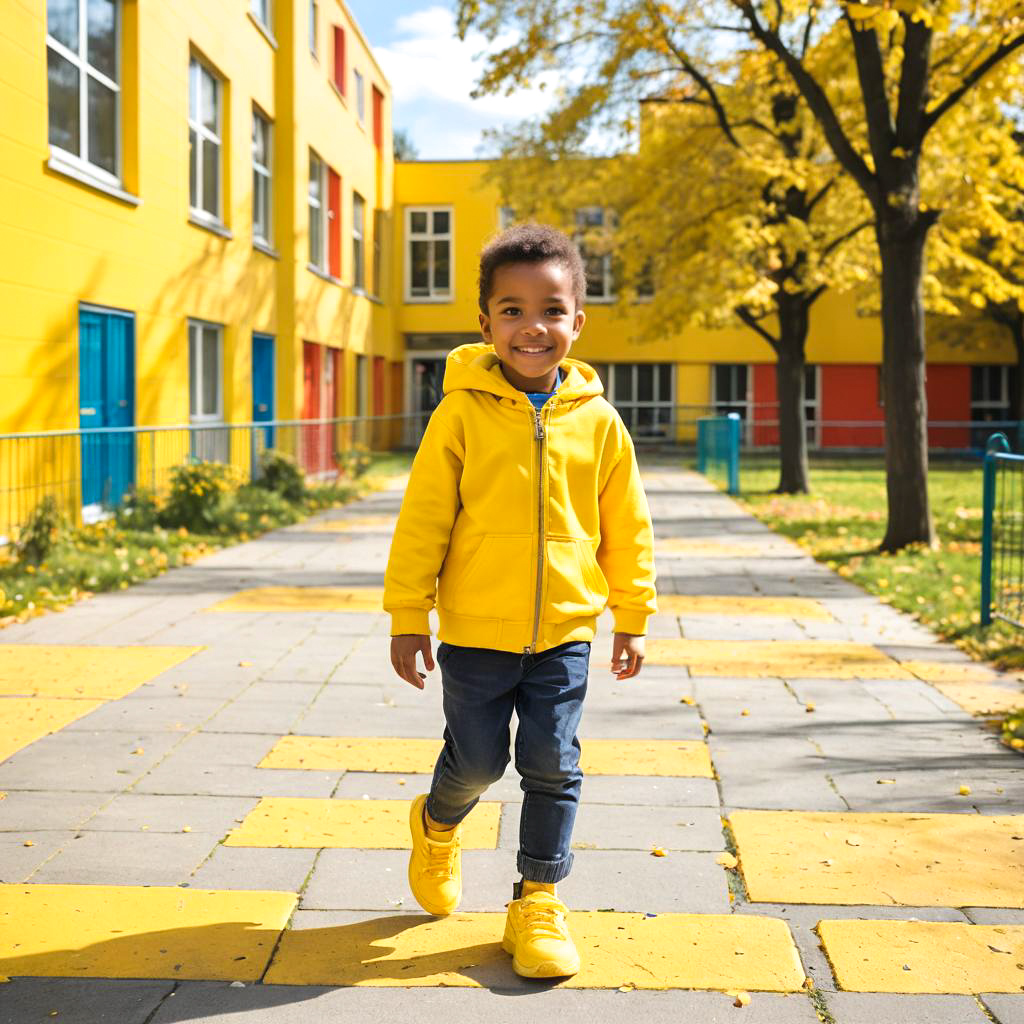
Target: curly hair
x,y
531,243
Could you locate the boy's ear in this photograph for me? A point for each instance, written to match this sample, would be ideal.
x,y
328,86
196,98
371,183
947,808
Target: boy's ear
x,y
577,324
485,327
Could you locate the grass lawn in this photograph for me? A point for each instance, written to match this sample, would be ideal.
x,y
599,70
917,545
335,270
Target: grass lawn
x,y
842,521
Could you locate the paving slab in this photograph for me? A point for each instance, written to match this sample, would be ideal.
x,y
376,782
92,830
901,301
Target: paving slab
x,y
81,1000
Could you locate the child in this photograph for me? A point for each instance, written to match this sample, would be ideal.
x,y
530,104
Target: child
x,y
525,515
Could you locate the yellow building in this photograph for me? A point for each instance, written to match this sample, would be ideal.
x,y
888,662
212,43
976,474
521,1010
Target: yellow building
x,y
194,201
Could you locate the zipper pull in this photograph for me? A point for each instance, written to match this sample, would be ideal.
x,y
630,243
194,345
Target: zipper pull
x,y
539,433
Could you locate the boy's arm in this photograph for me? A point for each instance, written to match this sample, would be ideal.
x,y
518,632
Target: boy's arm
x,y
626,552
420,540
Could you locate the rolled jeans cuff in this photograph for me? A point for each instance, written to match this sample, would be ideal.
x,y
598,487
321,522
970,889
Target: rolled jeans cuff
x,y
543,870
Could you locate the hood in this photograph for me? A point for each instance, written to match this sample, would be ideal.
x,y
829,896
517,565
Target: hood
x,y
476,367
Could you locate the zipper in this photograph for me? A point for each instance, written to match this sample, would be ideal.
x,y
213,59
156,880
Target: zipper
x,y
539,436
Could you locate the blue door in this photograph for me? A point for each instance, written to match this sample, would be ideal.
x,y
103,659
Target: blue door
x,y
263,386
106,389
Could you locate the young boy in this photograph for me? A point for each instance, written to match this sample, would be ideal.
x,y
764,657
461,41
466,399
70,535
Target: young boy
x,y
524,516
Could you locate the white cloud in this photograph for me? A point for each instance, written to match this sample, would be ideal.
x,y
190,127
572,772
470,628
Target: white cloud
x,y
432,73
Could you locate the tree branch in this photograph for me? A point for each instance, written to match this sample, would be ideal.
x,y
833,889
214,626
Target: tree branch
x,y
812,92
751,321
917,49
970,80
871,74
846,236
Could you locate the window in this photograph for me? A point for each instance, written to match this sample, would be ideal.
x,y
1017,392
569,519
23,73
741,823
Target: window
x,y
83,73
642,394
600,283
261,155
358,249
360,85
990,402
729,389
812,405
361,385
333,223
378,119
339,58
261,12
378,241
317,212
206,389
428,232
314,11
204,128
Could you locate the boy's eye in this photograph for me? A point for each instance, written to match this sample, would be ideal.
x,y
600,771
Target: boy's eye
x,y
556,311
511,310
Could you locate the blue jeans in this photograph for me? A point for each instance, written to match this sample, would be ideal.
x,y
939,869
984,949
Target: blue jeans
x,y
481,688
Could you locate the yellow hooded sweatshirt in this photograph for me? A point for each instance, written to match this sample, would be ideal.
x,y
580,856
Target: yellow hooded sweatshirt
x,y
522,524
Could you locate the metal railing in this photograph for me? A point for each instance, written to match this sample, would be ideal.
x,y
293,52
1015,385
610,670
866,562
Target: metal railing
x,y
718,448
91,472
1002,534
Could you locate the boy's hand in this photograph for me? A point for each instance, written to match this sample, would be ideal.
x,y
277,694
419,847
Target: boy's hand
x,y
404,648
627,655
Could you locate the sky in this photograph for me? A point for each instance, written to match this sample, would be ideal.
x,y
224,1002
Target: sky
x,y
432,73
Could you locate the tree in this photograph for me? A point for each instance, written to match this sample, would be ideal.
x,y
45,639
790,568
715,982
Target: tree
x,y
404,147
915,62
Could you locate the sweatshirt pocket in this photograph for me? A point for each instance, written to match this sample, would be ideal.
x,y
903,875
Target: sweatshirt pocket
x,y
493,583
576,585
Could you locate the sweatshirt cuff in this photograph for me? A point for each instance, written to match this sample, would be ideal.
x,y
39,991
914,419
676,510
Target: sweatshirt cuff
x,y
631,622
410,620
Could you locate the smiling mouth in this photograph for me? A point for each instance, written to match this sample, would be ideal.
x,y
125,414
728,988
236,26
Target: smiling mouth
x,y
533,350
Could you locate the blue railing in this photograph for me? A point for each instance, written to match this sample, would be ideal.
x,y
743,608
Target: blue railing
x,y
1002,534
718,447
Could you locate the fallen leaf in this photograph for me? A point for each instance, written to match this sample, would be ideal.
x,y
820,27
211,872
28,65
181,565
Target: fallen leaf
x,y
745,712
687,700
742,999
186,828
809,706
28,842
657,851
808,982
244,664
627,988
964,791
996,949
139,750
886,782
727,860
828,862
853,840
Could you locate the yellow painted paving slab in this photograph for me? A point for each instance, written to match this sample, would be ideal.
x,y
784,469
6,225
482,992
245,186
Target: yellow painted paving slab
x,y
909,859
312,823
703,548
706,951
951,672
23,720
386,754
353,524
303,599
982,699
100,672
776,607
792,660
939,956
114,931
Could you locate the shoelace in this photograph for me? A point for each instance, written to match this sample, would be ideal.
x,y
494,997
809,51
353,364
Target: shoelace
x,y
544,917
441,857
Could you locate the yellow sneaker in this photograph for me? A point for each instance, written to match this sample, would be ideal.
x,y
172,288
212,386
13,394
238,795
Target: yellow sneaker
x,y
537,936
435,869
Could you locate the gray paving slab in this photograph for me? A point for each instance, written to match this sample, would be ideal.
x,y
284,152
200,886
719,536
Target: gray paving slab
x,y
1005,1009
251,867
515,1003
873,1007
47,809
80,1000
171,714
135,812
22,853
178,775
122,858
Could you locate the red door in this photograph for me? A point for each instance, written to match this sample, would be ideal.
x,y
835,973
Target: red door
x,y
310,441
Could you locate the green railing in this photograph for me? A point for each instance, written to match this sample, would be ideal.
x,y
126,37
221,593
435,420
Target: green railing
x,y
718,447
1002,534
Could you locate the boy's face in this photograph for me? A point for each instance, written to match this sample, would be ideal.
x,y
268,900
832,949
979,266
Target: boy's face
x,y
531,321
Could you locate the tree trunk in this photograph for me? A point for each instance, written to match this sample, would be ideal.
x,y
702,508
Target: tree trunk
x,y
790,393
901,247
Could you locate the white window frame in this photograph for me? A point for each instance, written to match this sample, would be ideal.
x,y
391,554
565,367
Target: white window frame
x,y
1003,401
743,403
362,383
205,137
266,172
430,236
195,364
812,408
630,404
77,161
262,11
359,88
321,206
314,29
378,250
607,276
358,242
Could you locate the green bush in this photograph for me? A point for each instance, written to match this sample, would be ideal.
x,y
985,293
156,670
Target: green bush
x,y
36,539
280,474
140,511
197,501
253,509
353,463
1013,730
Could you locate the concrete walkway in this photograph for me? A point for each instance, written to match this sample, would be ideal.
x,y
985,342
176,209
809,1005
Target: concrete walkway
x,y
788,816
